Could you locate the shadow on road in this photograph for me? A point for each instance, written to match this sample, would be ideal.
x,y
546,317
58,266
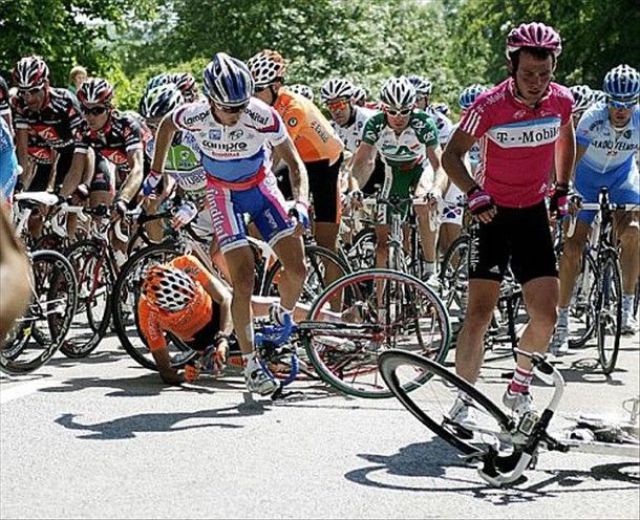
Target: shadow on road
x,y
169,422
436,468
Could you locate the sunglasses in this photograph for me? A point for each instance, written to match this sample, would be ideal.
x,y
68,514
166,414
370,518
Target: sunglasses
x,y
339,104
94,111
34,91
394,113
231,110
622,104
260,88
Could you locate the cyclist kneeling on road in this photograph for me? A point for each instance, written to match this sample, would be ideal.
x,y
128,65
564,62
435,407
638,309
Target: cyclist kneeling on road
x,y
182,297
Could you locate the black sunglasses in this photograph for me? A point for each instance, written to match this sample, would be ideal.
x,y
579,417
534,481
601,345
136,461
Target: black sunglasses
x,y
94,111
261,88
34,91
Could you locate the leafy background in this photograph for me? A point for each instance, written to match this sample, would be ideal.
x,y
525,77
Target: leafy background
x,y
452,42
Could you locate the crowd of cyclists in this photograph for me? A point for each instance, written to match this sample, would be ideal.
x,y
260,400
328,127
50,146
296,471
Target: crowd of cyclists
x,y
250,155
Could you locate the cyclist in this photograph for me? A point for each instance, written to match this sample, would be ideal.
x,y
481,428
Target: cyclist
x,y
47,121
359,96
182,297
185,82
348,120
407,140
582,99
523,123
302,90
451,211
316,142
5,107
231,131
608,137
424,89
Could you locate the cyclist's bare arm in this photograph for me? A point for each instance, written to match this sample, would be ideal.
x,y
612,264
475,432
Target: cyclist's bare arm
x,y
134,179
453,160
14,276
76,173
440,179
222,296
168,374
565,153
364,161
22,144
287,152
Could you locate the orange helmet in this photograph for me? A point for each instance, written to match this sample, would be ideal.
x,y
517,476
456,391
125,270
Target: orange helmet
x,y
168,288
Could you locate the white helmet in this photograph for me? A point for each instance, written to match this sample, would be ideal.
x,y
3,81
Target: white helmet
x,y
267,67
582,98
359,95
303,90
398,92
336,88
422,85
168,288
160,100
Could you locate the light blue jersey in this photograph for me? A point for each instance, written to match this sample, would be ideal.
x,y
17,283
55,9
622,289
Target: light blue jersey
x,y
8,162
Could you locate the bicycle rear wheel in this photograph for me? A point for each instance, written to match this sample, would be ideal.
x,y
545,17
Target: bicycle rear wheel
x,y
379,309
583,303
432,402
454,279
36,336
609,313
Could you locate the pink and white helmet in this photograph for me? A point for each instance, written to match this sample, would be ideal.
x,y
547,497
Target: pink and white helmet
x,y
534,34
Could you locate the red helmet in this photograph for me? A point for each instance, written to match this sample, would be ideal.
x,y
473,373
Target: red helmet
x,y
534,34
30,72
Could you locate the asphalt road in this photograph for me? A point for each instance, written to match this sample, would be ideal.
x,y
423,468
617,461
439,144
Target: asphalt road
x,y
103,438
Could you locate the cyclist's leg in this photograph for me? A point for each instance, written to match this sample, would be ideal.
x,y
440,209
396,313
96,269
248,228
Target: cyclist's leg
x,y
102,187
572,250
488,258
428,236
534,265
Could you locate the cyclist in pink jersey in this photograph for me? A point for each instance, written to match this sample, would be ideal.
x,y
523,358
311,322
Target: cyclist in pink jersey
x,y
523,124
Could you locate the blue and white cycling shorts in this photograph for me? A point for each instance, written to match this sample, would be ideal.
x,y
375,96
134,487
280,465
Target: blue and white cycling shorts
x,y
264,204
624,188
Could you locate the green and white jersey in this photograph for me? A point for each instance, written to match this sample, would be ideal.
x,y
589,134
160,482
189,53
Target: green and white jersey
x,y
183,164
407,150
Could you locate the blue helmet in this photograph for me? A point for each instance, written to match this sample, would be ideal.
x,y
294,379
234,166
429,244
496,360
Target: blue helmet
x,y
227,81
622,82
469,95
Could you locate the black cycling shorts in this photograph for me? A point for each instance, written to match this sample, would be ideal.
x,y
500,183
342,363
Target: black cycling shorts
x,y
41,175
516,237
323,188
101,175
205,336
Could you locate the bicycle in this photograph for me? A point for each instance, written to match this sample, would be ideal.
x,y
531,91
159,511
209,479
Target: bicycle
x,y
38,334
604,300
504,446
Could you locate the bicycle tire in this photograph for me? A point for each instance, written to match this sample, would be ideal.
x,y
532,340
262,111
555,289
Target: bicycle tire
x,y
346,360
454,275
94,275
390,363
583,306
315,257
124,304
62,279
609,312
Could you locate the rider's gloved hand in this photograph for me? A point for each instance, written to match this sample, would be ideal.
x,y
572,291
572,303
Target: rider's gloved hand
x,y
479,201
185,214
151,182
301,213
559,200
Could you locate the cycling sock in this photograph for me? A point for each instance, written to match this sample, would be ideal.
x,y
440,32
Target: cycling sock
x,y
249,359
627,302
429,268
521,380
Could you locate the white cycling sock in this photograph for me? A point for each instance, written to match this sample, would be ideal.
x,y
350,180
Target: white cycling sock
x,y
627,302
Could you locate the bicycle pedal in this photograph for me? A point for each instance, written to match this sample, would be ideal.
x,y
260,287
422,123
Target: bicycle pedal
x,y
288,397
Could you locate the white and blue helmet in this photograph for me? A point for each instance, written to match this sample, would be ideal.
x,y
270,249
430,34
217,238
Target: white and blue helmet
x,y
622,82
469,95
303,90
227,81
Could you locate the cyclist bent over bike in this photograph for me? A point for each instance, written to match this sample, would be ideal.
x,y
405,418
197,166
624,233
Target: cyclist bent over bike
x,y
232,130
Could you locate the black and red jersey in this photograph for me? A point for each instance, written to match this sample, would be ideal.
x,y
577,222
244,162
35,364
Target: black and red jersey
x,y
56,125
121,134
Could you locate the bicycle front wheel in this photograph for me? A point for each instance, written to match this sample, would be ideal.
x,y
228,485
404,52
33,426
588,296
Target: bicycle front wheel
x,y
433,402
609,313
38,334
379,309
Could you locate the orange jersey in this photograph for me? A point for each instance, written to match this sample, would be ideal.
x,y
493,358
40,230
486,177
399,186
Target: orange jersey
x,y
184,324
310,131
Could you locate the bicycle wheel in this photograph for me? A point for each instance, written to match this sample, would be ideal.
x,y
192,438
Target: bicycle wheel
x,y
36,336
318,260
126,294
583,303
454,278
95,284
609,312
380,309
362,253
432,402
